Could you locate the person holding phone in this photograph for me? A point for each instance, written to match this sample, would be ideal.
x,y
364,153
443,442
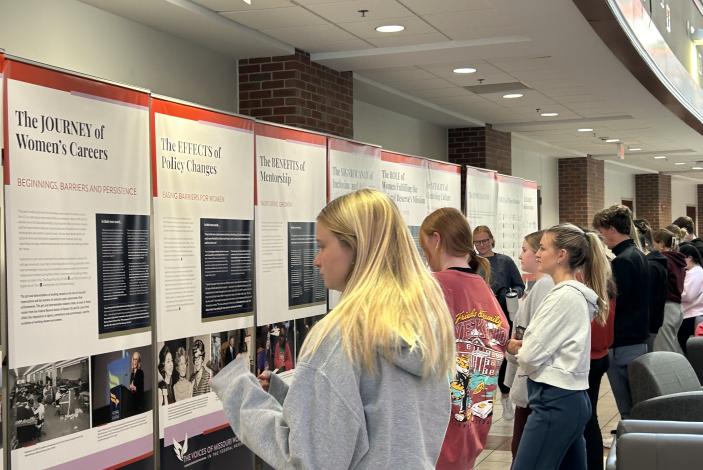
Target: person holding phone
x,y
528,304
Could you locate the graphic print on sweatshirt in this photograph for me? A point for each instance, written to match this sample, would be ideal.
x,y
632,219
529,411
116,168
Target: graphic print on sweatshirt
x,y
479,340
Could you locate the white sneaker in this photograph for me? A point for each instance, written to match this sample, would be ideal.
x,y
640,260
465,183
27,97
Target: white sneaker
x,y
508,410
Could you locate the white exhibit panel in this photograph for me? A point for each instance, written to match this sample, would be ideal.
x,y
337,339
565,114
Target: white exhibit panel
x,y
404,179
351,166
291,182
443,185
77,198
530,218
481,197
203,167
508,229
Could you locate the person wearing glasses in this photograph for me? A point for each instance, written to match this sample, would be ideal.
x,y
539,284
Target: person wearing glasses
x,y
201,375
505,276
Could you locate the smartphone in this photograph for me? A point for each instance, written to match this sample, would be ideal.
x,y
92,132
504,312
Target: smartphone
x,y
519,332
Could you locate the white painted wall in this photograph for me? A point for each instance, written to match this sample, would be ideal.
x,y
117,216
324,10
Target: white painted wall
x,y
394,131
683,193
619,184
538,163
82,38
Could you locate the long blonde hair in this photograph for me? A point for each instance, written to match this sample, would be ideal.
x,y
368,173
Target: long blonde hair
x,y
390,298
586,249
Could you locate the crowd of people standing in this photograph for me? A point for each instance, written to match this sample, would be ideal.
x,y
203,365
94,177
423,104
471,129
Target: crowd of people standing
x,y
371,387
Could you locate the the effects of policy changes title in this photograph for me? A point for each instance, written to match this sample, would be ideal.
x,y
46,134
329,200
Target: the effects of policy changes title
x,y
189,150
56,125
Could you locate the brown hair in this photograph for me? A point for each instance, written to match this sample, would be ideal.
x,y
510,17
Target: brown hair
x,y
685,222
485,229
456,237
679,232
533,239
666,237
618,217
586,250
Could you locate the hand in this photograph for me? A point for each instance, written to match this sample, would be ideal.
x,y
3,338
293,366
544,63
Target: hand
x,y
265,380
514,346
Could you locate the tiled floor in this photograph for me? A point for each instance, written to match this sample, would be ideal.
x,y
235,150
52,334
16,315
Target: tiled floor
x,y
497,455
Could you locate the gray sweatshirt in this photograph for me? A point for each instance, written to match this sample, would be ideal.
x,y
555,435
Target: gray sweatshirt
x,y
335,416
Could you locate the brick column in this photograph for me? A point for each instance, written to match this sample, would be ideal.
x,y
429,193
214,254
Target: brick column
x,y
482,147
581,192
295,91
653,199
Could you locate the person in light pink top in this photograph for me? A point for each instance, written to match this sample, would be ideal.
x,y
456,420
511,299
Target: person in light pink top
x,y
692,295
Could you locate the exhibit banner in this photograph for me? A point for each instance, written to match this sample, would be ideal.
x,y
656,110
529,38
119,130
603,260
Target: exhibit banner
x,y
508,229
443,185
351,166
481,197
404,179
530,204
77,234
291,182
203,189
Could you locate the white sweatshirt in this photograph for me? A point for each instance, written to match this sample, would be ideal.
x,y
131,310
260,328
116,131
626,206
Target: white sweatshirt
x,y
692,295
556,348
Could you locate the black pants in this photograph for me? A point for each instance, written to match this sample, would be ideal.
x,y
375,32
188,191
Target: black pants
x,y
594,440
686,330
501,373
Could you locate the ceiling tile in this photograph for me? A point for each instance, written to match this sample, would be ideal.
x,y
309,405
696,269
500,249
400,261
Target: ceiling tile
x,y
367,29
348,12
303,36
239,5
446,6
409,85
275,18
397,73
409,40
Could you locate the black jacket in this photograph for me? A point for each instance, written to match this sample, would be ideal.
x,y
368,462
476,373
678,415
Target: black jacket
x,y
658,275
698,243
631,273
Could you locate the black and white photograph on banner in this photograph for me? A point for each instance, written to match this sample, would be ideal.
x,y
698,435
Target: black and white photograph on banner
x,y
48,401
121,384
184,369
274,348
227,345
302,328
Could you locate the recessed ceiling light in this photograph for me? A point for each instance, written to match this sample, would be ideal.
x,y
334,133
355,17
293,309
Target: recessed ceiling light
x,y
696,168
660,157
511,96
680,163
636,149
390,28
549,114
464,70
612,141
585,129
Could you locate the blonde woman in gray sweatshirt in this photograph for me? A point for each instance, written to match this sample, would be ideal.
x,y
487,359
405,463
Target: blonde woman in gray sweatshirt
x,y
555,350
370,386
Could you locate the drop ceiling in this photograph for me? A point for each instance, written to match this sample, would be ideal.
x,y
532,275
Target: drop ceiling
x,y
545,44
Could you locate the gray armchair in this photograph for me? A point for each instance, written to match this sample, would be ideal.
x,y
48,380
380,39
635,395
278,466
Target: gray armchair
x,y
665,387
694,352
656,445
